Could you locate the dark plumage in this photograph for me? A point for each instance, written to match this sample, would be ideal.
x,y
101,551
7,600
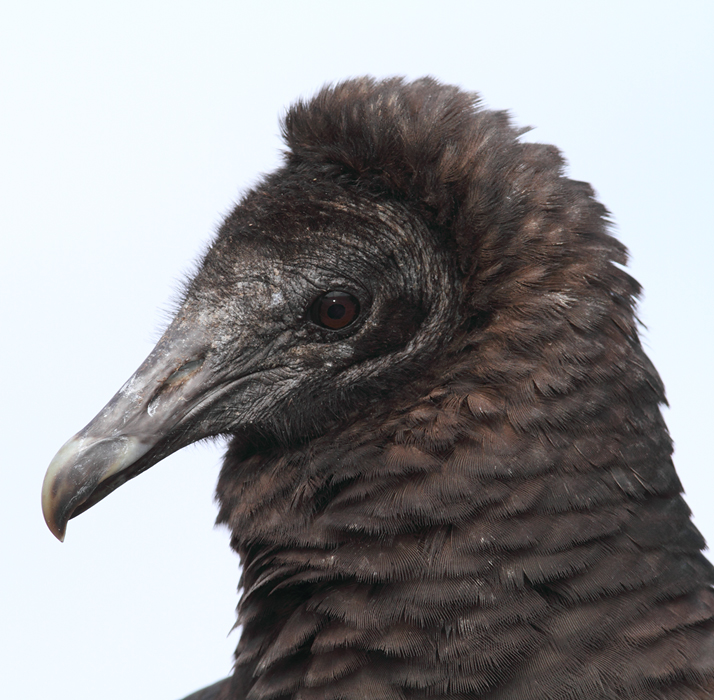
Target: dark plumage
x,y
450,476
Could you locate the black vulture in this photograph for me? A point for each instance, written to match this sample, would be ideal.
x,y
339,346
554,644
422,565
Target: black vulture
x,y
448,474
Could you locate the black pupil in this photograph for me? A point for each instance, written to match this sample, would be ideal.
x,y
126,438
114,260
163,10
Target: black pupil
x,y
336,311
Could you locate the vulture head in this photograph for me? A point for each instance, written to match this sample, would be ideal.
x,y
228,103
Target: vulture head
x,y
448,474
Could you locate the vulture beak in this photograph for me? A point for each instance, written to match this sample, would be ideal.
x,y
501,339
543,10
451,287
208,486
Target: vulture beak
x,y
155,413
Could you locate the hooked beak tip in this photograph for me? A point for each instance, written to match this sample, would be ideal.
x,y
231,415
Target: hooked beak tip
x,y
54,507
77,470
55,522
58,530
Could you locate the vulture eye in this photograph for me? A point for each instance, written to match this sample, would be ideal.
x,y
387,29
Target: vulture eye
x,y
334,310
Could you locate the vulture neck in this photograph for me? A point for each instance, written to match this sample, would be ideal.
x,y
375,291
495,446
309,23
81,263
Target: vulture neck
x,y
478,538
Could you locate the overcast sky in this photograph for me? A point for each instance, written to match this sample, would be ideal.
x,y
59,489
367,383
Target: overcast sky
x,y
129,128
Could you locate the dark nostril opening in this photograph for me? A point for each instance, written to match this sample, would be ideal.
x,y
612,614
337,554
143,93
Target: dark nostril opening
x,y
181,375
183,372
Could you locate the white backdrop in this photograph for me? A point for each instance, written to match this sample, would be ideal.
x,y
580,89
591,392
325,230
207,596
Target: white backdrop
x,y
128,129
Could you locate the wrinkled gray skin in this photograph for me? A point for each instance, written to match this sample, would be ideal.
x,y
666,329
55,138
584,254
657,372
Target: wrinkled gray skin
x,y
243,356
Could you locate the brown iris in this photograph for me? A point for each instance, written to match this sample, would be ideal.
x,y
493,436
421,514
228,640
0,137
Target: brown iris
x,y
334,310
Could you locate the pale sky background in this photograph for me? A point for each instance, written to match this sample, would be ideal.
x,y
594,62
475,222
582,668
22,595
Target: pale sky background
x,y
128,129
